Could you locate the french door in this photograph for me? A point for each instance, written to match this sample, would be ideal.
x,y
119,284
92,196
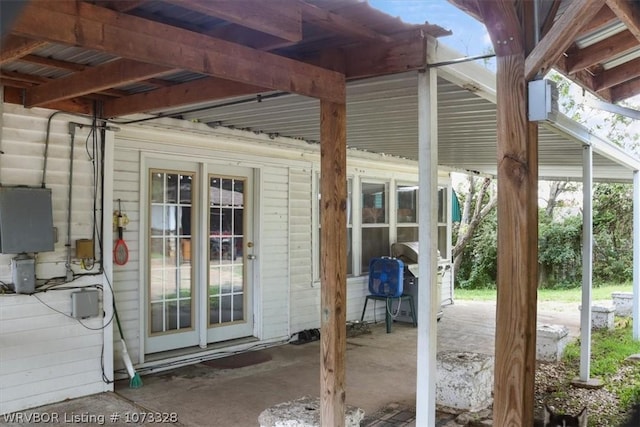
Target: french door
x,y
198,256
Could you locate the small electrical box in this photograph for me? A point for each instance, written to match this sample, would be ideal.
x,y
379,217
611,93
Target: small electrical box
x,y
543,100
84,249
23,274
85,303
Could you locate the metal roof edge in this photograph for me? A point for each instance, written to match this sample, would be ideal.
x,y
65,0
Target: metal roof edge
x,y
579,133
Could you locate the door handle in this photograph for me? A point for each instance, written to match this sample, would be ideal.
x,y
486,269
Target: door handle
x,y
251,257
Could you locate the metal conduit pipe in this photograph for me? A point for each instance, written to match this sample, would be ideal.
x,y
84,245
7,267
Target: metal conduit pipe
x,y
72,133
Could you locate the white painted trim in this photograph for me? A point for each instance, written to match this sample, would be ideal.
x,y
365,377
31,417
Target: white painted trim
x,y
636,255
428,196
587,262
258,297
108,321
143,254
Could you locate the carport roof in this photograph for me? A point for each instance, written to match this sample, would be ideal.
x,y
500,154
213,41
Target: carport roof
x,y
144,56
382,116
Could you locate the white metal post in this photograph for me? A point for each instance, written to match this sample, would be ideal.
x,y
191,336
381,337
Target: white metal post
x,y
427,291
587,262
107,258
636,255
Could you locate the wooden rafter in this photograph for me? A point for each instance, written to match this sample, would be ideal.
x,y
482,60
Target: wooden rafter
x,y
13,95
601,51
560,36
334,22
96,79
53,63
603,18
618,75
122,5
206,89
625,90
102,29
279,18
14,47
629,13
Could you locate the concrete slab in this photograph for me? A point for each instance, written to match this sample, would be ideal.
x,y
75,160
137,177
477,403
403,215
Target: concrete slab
x,y
380,370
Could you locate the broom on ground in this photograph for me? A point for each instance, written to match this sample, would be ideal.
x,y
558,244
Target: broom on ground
x,y
135,381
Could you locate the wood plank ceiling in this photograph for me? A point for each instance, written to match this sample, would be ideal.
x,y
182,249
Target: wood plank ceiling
x,y
599,43
131,56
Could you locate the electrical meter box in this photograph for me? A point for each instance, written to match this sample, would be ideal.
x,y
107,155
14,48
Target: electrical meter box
x,y
26,220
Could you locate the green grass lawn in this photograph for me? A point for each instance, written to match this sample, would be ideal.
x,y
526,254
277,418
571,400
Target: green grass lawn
x,y
562,295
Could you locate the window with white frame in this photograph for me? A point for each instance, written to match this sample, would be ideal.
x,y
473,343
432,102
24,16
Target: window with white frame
x,y
407,213
375,222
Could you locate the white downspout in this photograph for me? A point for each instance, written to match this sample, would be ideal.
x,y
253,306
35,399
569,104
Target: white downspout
x,y
587,262
427,258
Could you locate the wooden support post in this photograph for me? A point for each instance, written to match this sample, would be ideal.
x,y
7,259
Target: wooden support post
x,y
333,262
517,249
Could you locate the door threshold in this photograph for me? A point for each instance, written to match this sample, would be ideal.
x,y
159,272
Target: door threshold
x,y
201,353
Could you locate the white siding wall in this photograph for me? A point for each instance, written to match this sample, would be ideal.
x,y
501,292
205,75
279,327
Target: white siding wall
x,y
287,294
45,356
305,299
126,193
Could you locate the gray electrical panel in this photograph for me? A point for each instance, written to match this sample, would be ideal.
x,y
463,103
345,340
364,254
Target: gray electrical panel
x,y
26,220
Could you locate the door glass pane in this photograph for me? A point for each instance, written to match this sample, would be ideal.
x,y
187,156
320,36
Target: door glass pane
x,y
170,270
226,239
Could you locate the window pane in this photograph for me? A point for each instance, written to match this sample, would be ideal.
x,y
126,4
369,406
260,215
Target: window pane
x,y
172,188
408,234
157,187
407,204
375,243
349,251
374,203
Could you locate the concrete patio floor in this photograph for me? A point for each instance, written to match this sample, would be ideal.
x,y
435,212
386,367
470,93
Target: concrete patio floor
x,y
380,375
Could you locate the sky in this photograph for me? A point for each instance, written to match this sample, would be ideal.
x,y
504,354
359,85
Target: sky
x,y
469,36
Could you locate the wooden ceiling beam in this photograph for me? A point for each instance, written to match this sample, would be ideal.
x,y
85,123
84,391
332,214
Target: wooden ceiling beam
x,y
206,89
625,90
121,5
13,95
115,73
603,18
279,18
601,51
618,75
405,53
88,26
503,25
560,36
15,47
629,13
335,22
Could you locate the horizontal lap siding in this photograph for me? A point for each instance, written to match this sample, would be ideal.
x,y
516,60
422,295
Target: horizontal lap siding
x,y
305,300
275,252
126,193
45,356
